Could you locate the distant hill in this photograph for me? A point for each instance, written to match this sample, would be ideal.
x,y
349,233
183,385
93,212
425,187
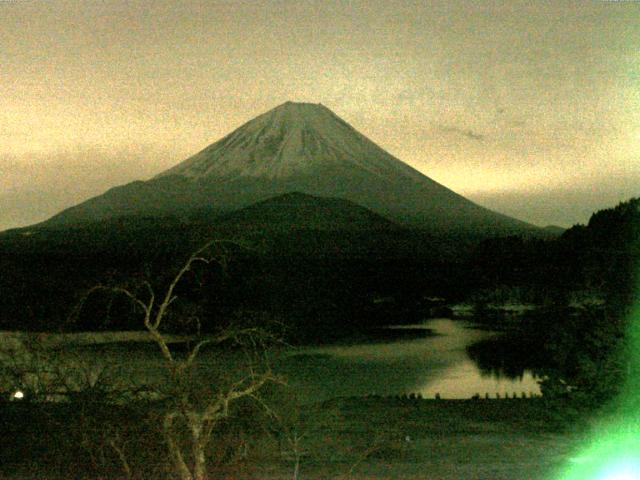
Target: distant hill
x,y
296,147
301,211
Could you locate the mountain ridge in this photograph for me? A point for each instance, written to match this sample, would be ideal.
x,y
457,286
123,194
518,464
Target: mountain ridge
x,y
297,147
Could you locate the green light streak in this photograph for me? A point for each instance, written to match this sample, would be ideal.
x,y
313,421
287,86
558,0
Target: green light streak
x,y
614,451
615,456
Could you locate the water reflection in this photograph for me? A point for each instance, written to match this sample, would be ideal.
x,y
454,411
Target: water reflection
x,y
464,380
452,358
506,356
437,363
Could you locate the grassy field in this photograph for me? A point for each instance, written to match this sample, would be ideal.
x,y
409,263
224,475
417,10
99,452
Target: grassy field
x,y
430,439
359,438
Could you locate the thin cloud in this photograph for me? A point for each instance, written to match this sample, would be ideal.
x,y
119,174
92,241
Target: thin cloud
x,y
461,131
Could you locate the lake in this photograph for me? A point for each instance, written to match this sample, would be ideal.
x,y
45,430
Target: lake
x,y
426,359
432,358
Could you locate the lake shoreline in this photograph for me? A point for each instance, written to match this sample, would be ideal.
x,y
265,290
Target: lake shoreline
x,y
424,360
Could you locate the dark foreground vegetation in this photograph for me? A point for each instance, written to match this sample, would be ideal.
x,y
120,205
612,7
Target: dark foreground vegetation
x,y
344,438
308,286
320,282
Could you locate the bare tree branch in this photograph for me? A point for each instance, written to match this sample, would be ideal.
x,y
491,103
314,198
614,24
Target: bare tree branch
x,y
198,412
113,442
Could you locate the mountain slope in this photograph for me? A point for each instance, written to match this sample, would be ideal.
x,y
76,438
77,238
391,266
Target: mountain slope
x,y
301,211
290,141
296,147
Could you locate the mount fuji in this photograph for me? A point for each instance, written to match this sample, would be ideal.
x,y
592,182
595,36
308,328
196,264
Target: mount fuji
x,y
295,147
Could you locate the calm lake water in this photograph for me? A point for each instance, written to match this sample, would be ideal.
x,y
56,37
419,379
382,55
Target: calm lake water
x,y
431,359
422,359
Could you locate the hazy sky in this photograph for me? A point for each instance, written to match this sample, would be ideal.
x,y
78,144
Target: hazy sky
x,y
529,108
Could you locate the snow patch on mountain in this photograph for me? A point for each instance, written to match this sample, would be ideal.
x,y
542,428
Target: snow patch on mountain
x,y
289,140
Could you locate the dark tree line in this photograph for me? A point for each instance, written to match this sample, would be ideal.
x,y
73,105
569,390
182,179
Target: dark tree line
x,y
588,279
322,284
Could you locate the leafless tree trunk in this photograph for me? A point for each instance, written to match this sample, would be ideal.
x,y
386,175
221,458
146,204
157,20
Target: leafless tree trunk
x,y
186,413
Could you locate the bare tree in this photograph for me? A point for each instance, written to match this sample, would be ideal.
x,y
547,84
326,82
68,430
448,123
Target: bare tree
x,y
192,408
309,431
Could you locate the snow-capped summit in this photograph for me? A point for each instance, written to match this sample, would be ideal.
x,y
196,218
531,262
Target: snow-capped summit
x,y
291,139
